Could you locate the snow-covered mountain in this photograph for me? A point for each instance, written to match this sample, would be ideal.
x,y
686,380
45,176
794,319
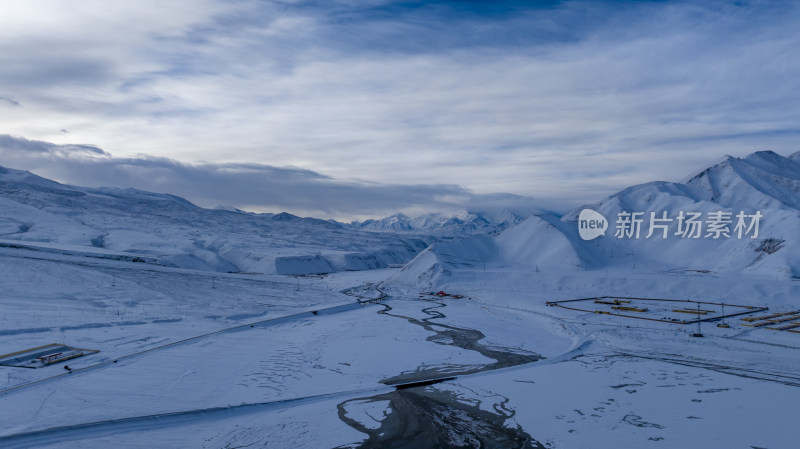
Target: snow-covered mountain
x,y
467,222
126,223
763,183
393,223
169,230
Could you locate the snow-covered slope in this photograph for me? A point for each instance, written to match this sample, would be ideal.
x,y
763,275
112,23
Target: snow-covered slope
x,y
538,243
763,182
167,229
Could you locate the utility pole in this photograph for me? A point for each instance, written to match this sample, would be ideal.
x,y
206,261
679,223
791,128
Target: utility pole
x,y
722,324
698,334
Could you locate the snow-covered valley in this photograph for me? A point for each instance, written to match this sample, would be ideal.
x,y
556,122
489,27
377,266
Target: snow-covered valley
x,y
208,336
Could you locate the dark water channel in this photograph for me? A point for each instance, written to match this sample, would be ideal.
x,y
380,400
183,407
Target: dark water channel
x,y
435,417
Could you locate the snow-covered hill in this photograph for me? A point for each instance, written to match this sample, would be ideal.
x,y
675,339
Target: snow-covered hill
x,y
763,183
168,230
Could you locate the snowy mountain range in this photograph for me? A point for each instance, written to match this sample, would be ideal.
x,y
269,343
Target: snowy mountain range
x,y
763,183
168,230
467,222
41,214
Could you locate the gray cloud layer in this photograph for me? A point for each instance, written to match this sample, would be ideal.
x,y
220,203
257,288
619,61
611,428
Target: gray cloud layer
x,y
254,187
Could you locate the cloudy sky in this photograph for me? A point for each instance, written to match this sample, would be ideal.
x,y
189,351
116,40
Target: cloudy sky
x,y
347,108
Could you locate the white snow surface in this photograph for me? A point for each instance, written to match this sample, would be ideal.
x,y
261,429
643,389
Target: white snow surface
x,y
211,359
170,231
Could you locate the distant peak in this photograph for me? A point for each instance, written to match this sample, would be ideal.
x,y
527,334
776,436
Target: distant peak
x,y
767,152
284,216
26,177
768,155
6,170
757,158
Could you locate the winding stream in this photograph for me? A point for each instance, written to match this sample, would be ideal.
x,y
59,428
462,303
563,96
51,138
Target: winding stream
x,y
440,417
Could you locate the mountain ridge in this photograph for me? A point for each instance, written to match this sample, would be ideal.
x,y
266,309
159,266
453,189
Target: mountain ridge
x,y
468,221
763,182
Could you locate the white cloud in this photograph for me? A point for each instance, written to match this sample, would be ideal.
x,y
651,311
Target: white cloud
x,y
569,102
253,187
